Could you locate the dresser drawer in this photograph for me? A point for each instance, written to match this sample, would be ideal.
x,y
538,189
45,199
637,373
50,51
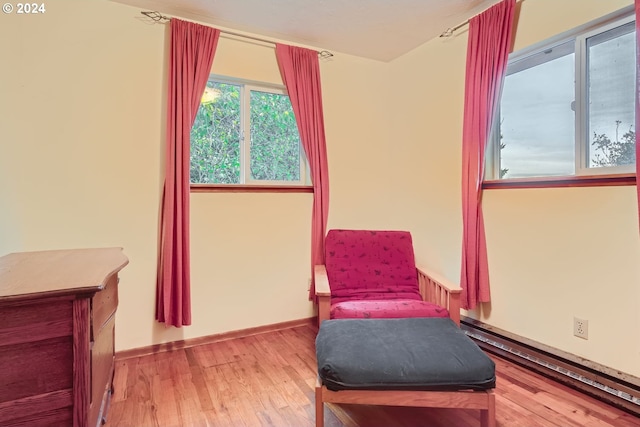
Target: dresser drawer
x,y
35,321
36,363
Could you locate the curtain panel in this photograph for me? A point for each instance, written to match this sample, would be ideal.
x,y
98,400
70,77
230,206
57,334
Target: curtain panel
x,y
300,72
191,56
487,53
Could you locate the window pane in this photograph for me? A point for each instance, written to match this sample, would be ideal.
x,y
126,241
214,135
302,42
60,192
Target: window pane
x,y
215,136
537,120
275,144
611,77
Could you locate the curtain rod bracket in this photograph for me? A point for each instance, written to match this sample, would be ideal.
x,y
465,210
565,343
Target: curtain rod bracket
x,y
156,16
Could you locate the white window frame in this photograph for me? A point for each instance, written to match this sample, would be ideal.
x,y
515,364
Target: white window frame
x,y
530,57
246,86
582,108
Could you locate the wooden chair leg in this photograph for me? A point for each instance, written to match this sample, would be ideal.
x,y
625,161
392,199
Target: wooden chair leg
x,y
319,405
488,416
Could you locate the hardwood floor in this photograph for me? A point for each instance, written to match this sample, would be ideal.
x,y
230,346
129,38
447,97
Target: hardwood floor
x,y
268,379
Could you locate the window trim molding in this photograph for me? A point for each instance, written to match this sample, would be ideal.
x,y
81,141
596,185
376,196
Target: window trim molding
x,y
243,188
562,181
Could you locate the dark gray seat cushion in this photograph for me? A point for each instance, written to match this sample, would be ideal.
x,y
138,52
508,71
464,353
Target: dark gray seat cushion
x,y
400,354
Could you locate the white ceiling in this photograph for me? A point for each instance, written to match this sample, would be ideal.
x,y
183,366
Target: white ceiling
x,y
376,29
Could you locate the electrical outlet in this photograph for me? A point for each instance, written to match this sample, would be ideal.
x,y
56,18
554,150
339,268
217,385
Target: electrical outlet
x,y
581,328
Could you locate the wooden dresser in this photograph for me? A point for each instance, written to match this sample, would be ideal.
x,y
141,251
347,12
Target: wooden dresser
x,y
57,318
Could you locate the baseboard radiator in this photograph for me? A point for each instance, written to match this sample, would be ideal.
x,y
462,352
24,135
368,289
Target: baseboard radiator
x,y
614,387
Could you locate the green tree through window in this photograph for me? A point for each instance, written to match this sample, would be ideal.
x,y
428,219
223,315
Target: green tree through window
x,y
245,135
617,152
215,137
275,144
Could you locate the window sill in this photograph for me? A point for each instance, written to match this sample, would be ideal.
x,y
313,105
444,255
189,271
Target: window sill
x,y
561,181
235,188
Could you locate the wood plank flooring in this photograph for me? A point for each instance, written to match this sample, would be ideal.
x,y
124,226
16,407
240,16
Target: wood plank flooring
x,y
268,379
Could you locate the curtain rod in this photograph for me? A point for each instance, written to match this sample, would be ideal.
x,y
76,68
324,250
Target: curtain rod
x,y
449,31
162,19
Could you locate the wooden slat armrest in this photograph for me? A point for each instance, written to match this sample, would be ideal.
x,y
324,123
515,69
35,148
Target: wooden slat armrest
x,y
321,281
323,292
444,282
439,290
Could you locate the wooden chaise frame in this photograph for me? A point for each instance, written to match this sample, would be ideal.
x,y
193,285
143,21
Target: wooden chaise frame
x,y
433,288
437,290
484,400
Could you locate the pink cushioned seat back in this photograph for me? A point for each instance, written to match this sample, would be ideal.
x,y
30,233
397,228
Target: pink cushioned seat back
x,y
365,265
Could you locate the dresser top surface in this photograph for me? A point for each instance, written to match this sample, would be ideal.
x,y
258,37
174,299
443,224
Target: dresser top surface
x,y
58,272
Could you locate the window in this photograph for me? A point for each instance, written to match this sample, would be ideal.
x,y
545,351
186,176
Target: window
x,y
568,107
246,133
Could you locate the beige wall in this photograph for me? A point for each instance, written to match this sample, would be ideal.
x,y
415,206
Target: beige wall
x,y
81,152
81,137
553,253
80,125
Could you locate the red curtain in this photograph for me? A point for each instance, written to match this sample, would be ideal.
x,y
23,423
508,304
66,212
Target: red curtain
x,y
487,53
637,100
300,72
192,49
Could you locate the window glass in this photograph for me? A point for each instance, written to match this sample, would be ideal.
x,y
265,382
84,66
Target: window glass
x,y
537,121
245,133
568,106
611,104
275,144
215,136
